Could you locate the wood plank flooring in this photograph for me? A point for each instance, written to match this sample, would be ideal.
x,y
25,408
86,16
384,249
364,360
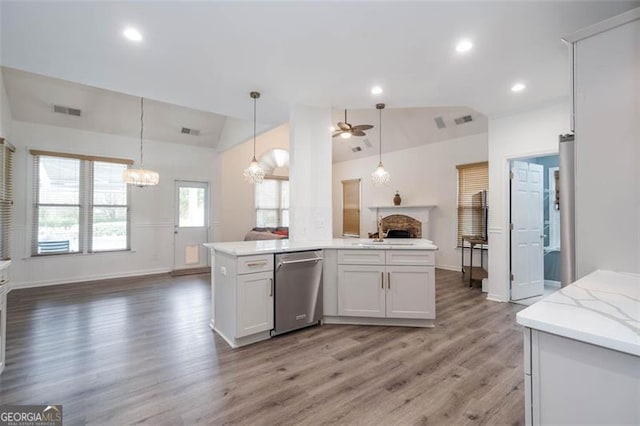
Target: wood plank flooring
x,y
139,350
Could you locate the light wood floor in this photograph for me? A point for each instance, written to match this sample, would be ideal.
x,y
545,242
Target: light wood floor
x,y
140,351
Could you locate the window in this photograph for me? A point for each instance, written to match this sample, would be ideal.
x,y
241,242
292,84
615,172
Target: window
x,y
6,196
473,182
272,202
80,204
351,207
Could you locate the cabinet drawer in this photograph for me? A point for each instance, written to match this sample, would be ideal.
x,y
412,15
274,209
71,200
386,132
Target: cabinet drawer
x,y
361,257
257,263
411,257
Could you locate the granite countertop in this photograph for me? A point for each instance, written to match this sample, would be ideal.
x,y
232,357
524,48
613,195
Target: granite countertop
x,y
602,308
245,248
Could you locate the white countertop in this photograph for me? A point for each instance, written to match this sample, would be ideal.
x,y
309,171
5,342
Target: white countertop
x,y
602,308
245,248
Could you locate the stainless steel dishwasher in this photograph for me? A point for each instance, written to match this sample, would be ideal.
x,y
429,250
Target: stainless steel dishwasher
x,y
298,290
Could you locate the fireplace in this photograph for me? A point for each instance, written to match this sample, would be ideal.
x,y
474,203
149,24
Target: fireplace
x,y
399,226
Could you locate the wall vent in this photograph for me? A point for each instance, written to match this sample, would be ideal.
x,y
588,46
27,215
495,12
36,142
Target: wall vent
x,y
188,131
67,110
356,149
463,119
440,122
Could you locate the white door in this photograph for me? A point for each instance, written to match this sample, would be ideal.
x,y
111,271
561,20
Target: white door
x,y
361,291
527,236
255,303
410,291
191,227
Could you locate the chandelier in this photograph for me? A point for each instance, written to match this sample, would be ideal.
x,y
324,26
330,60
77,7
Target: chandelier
x,y
141,177
254,173
380,176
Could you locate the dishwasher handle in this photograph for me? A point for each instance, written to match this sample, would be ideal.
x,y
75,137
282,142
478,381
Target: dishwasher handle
x,y
284,262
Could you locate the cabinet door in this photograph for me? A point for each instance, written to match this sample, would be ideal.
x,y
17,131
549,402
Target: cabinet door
x,y
255,303
411,292
361,291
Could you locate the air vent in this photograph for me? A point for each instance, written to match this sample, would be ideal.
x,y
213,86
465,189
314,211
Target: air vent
x,y
66,110
192,132
356,149
463,119
440,122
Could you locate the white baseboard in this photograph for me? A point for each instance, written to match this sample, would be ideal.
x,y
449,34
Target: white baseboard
x,y
495,298
88,278
449,268
552,284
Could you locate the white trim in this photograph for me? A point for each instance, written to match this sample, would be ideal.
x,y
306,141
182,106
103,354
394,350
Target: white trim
x,y
88,278
552,284
399,322
494,298
602,26
449,268
403,206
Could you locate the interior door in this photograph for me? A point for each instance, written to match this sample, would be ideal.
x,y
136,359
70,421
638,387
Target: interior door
x,y
191,227
527,235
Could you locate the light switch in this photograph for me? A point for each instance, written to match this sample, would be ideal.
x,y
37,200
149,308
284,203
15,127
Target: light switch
x,y
223,270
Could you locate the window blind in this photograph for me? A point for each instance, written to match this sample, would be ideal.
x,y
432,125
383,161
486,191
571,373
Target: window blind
x,y
6,197
272,202
351,207
473,179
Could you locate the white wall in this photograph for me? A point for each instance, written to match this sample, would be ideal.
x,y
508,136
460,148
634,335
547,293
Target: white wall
x,y
5,111
152,208
236,195
526,134
424,175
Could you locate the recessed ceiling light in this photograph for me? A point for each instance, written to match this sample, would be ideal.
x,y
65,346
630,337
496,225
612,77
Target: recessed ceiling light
x,y
132,34
464,46
518,87
376,90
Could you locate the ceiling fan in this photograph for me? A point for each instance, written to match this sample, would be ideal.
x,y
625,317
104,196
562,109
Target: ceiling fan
x,y
346,130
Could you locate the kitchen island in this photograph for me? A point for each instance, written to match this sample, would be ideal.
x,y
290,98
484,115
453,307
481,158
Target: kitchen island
x,y
363,282
582,352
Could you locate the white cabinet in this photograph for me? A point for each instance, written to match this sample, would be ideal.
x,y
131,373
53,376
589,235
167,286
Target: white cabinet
x,y
242,288
361,291
255,303
4,284
394,290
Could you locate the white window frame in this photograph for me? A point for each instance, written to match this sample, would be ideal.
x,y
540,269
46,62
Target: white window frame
x,y
86,206
278,210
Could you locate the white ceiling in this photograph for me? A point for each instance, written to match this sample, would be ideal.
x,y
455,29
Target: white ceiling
x,y
403,128
208,55
32,97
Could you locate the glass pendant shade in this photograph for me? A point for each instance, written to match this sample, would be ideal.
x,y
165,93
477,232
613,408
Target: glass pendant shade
x,y
380,176
141,177
254,173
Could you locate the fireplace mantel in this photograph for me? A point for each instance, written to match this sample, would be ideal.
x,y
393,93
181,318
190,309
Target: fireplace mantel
x,y
417,211
400,207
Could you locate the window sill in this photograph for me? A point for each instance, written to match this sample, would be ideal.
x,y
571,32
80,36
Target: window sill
x,y
66,255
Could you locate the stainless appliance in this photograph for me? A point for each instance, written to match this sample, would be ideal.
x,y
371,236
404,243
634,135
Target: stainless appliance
x,y
298,290
566,203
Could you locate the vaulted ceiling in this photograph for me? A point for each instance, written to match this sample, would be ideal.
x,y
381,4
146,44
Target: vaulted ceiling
x,y
208,55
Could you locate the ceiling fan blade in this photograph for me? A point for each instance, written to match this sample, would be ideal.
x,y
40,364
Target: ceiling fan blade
x,y
363,127
358,133
344,126
336,134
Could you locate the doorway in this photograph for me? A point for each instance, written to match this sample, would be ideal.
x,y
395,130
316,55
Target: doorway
x,y
191,228
535,228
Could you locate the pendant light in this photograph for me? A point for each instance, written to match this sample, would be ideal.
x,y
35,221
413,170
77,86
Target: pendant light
x,y
140,176
380,176
254,173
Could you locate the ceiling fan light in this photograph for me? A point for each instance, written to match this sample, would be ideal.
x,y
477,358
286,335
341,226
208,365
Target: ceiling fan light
x,y
345,135
380,176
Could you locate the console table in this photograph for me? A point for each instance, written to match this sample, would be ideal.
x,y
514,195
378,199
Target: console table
x,y
480,272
